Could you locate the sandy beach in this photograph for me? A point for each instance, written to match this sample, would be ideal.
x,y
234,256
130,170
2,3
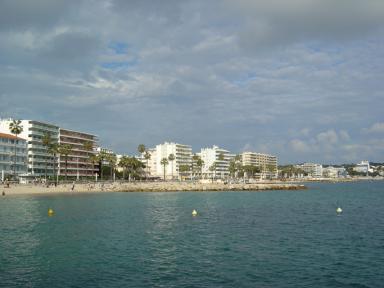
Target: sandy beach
x,y
31,189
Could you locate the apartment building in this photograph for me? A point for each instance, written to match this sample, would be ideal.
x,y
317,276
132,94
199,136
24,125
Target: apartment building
x,y
183,156
79,163
216,162
40,162
7,156
312,169
266,162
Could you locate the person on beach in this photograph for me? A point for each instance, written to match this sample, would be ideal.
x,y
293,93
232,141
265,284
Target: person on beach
x,y
73,186
7,183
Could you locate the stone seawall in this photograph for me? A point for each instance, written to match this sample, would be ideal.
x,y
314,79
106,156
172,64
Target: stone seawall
x,y
18,189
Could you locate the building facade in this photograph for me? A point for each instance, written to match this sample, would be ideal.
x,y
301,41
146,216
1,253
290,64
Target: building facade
x,y
183,157
216,162
312,169
363,167
266,162
7,156
79,163
40,161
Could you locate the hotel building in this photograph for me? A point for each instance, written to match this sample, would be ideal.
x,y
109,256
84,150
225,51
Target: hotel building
x,y
266,162
78,160
7,156
214,167
312,169
183,156
40,162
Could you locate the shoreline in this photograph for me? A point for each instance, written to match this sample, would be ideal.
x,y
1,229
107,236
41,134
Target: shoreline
x,y
31,189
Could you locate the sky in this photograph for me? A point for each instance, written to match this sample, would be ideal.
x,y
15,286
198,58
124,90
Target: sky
x,y
300,79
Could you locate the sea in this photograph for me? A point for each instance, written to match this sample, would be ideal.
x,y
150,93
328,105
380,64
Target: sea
x,y
238,239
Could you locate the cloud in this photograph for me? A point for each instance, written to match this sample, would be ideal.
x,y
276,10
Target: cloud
x,y
299,146
329,137
298,79
278,22
375,128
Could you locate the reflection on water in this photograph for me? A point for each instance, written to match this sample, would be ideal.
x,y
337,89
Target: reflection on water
x,y
238,239
19,243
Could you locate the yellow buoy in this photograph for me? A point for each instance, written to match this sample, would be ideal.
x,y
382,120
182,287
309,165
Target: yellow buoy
x,y
339,210
50,212
194,212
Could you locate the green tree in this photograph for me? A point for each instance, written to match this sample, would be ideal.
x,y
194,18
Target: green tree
x,y
124,163
184,169
212,168
101,158
47,142
65,150
251,170
147,157
141,148
200,164
164,162
88,147
193,168
112,159
15,129
93,159
171,158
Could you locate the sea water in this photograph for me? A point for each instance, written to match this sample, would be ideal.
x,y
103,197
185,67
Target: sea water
x,y
238,239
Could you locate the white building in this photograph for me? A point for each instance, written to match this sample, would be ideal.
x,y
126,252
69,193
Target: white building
x,y
183,156
150,164
216,162
334,172
312,169
40,162
7,156
363,167
266,162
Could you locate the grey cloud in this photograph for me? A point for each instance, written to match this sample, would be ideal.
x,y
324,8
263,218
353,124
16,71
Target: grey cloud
x,y
39,14
279,22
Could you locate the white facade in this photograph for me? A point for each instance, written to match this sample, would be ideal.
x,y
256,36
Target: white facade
x,y
266,162
214,167
7,156
150,164
40,162
183,156
314,170
334,172
363,167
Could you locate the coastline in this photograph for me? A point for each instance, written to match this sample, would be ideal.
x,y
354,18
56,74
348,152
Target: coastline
x,y
31,189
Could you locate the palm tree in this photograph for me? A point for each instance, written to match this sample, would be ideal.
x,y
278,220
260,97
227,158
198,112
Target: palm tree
x,y
147,156
194,160
200,164
101,157
124,163
212,168
171,158
93,159
141,148
88,146
112,159
16,129
53,149
65,150
164,162
47,141
220,158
